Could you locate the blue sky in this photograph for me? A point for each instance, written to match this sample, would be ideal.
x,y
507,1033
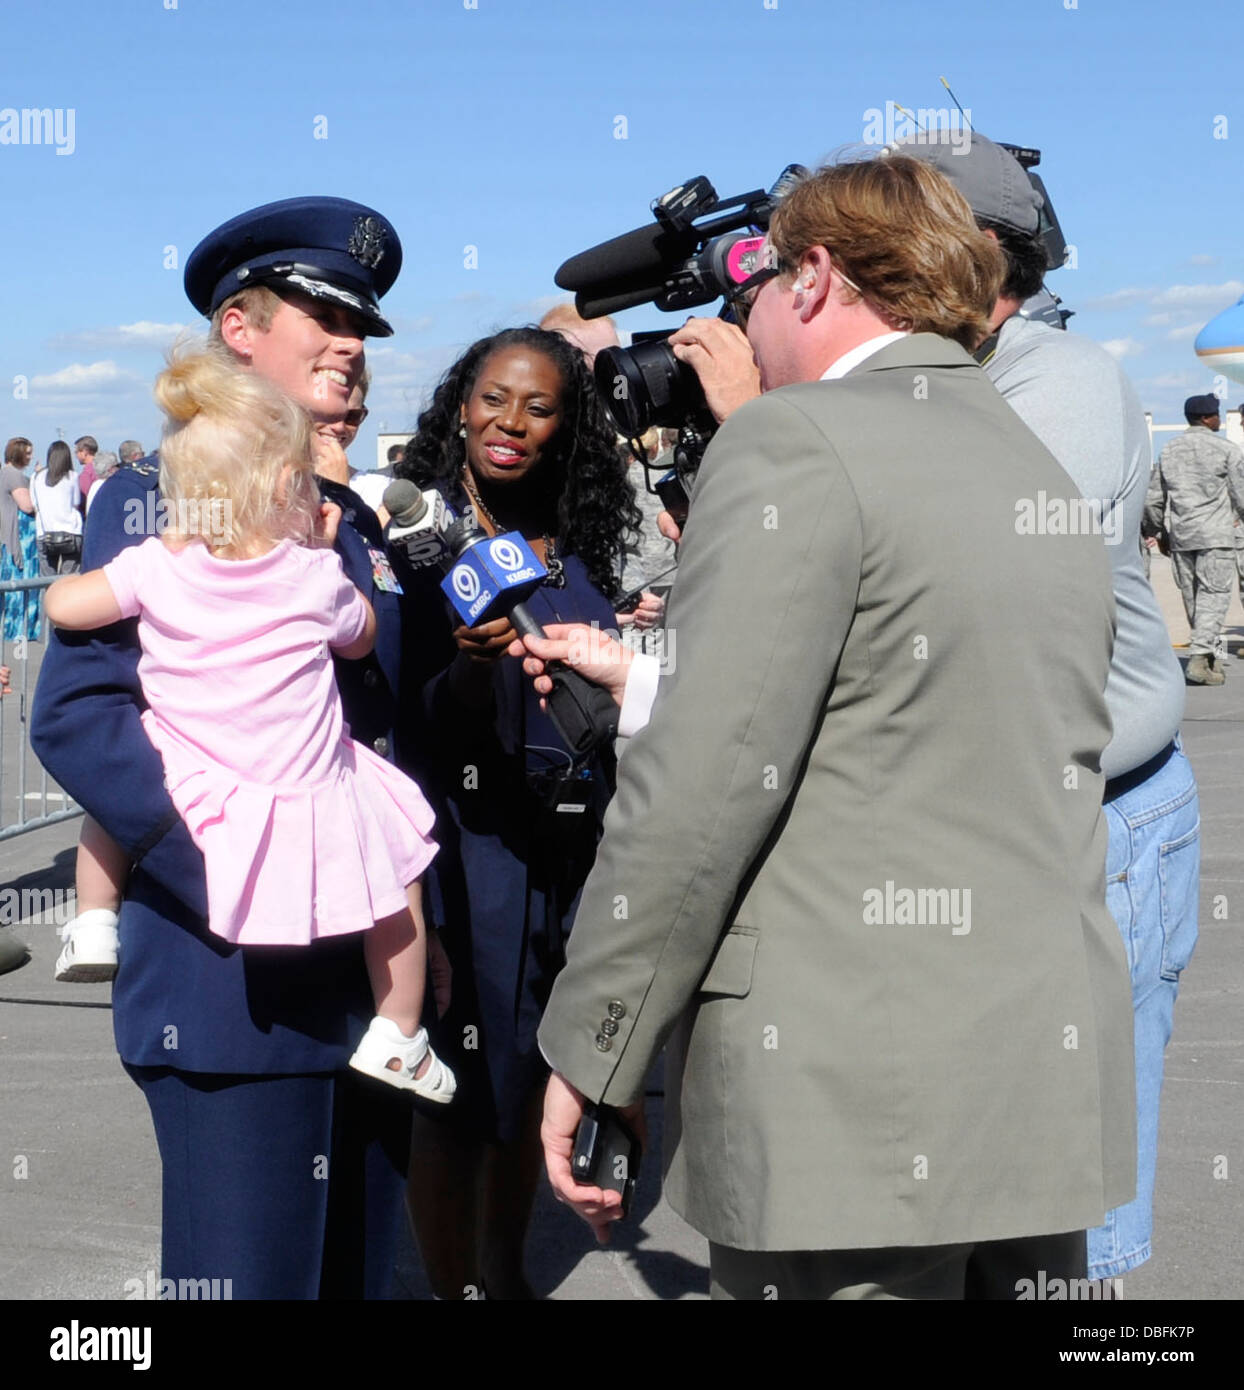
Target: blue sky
x,y
496,127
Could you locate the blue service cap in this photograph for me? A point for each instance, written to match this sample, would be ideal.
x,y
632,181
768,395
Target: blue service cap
x,y
1196,406
328,248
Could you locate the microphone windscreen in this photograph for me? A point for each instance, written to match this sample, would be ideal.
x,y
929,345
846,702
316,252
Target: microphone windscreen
x,y
647,254
404,502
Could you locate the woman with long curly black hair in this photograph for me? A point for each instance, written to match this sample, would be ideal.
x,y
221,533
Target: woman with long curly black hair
x,y
515,432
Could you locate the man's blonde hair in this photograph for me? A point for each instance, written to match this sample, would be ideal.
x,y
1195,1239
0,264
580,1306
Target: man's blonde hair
x,y
233,445
258,303
905,235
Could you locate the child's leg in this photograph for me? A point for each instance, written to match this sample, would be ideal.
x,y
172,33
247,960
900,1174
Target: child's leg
x,y
396,950
395,1048
91,944
103,867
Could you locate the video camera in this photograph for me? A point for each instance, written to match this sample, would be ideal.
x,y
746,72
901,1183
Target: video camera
x,y
700,247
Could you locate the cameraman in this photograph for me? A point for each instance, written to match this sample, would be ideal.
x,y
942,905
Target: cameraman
x,y
1078,402
845,1085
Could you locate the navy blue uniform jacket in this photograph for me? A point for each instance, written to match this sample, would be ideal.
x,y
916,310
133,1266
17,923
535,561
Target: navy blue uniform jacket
x,y
183,998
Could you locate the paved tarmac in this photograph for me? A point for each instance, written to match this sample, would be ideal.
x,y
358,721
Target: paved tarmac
x,y
79,1172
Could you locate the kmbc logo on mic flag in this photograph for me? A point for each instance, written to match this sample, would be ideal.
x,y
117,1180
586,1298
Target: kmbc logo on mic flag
x,y
489,569
466,583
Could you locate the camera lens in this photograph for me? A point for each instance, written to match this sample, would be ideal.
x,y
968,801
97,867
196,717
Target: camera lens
x,y
646,385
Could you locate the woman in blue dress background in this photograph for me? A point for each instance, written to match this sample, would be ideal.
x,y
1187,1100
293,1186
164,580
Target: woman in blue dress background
x,y
514,431
19,553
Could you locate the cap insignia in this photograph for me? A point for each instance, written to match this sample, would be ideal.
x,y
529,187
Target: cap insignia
x,y
366,242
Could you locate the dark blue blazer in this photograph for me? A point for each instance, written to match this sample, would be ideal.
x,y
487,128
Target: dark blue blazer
x,y
183,998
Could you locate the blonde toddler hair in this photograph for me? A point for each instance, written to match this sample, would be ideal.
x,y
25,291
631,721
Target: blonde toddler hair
x,y
234,447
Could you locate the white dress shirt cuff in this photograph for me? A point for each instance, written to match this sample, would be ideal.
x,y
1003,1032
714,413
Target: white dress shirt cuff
x,y
640,693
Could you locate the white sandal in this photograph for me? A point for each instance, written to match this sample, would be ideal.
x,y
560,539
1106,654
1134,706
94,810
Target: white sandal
x,y
387,1054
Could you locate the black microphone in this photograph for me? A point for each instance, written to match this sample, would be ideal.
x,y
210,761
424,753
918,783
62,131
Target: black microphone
x,y
639,256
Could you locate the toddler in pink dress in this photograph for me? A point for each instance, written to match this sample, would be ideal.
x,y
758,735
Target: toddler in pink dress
x,y
305,833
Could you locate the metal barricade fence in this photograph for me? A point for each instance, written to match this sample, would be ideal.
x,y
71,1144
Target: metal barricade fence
x,y
24,784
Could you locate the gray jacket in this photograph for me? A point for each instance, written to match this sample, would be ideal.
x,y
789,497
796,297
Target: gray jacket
x,y
855,867
1075,398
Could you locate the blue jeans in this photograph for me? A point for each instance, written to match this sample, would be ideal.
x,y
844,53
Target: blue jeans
x,y
1153,871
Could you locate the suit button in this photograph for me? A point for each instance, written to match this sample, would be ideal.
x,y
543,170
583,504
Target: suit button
x,y
608,1027
617,1009
370,678
381,746
603,1044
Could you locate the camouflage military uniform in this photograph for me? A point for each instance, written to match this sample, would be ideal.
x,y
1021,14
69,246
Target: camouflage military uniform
x,y
1195,495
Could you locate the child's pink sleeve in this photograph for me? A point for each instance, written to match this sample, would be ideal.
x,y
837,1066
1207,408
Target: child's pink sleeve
x,y
130,574
347,607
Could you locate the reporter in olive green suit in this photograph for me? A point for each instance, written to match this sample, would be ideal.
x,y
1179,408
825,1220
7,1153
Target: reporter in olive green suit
x,y
854,870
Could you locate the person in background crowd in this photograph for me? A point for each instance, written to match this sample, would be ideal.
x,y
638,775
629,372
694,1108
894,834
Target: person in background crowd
x,y
647,553
128,451
58,515
19,555
106,464
590,336
340,436
515,431
651,557
1196,498
1238,533
371,484
85,449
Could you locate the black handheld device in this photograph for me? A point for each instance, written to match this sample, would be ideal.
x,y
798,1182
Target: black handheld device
x,y
606,1153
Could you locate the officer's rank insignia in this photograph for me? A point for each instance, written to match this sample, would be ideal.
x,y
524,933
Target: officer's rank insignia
x,y
366,242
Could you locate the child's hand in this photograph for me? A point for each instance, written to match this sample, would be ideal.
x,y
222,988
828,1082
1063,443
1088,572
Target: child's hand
x,y
6,675
327,523
328,455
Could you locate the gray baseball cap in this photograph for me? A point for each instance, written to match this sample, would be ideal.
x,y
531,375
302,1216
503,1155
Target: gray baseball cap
x,y
990,178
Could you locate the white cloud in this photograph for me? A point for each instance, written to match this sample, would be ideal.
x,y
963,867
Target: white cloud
x,y
1202,260
1186,297
405,325
143,334
1184,333
1123,347
1199,296
1171,381
1118,299
85,379
535,309
393,371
